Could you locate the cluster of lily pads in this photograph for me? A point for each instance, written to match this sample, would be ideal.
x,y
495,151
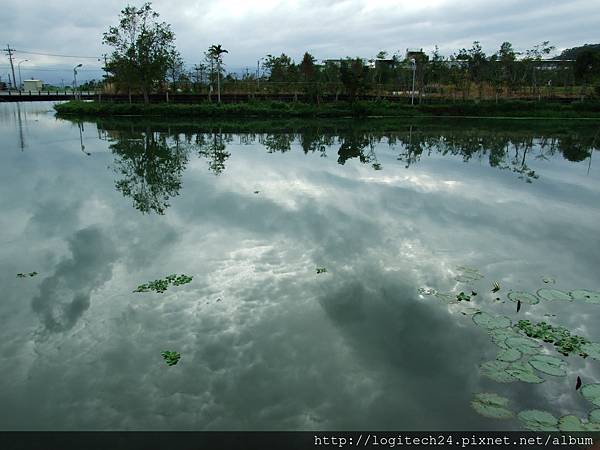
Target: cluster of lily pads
x,y
26,275
162,285
523,356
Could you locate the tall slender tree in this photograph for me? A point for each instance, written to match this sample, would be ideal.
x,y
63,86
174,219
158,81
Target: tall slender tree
x,y
216,53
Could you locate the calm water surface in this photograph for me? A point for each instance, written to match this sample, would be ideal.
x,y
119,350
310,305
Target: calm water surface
x,y
250,210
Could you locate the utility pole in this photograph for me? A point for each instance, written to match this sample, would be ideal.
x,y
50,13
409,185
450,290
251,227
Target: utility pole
x,y
9,51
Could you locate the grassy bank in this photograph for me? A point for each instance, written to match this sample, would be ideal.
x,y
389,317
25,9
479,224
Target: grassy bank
x,y
337,109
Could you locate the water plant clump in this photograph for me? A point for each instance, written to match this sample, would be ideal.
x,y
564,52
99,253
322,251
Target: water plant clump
x,y
562,338
462,297
26,275
160,286
321,270
171,357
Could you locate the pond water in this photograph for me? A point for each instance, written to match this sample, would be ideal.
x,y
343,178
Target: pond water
x,y
392,210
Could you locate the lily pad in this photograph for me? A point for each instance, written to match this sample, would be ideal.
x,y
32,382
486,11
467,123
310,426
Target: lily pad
x,y
548,280
492,406
496,370
571,423
509,355
591,392
523,297
171,357
490,322
592,349
554,295
499,336
523,344
586,296
536,420
426,291
549,365
595,416
524,372
468,274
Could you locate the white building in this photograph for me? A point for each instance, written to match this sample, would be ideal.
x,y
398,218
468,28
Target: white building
x,y
32,85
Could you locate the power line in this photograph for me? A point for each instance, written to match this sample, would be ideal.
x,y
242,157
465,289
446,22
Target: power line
x,y
9,52
54,54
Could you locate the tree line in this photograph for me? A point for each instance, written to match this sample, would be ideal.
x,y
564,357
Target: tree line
x,y
145,60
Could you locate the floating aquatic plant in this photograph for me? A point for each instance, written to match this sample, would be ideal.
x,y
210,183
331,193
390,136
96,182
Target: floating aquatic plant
x,y
427,291
509,355
491,405
592,349
321,270
171,357
162,285
490,322
462,297
524,372
554,295
537,420
591,392
594,416
524,345
562,338
496,370
586,296
549,365
468,274
548,280
523,297
574,423
495,287
26,275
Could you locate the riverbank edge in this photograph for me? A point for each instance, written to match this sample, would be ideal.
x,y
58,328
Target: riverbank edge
x,y
363,109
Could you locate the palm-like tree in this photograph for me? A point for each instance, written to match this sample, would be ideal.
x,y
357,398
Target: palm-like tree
x,y
215,52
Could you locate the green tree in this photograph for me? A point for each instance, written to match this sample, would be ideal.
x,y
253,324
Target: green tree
x,y
354,76
215,53
143,49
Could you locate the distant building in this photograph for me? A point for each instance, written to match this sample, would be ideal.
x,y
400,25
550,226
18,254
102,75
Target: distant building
x,y
416,53
33,85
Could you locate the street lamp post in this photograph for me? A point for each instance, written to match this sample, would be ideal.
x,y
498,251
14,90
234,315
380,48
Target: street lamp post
x,y
19,67
412,92
75,79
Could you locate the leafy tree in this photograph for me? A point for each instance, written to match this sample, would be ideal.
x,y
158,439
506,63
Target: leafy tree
x,y
281,68
354,76
587,66
143,49
150,167
215,53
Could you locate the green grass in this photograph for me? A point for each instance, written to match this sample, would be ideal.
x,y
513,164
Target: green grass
x,y
275,109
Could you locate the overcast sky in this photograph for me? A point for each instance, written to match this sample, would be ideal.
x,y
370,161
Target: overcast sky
x,y
326,28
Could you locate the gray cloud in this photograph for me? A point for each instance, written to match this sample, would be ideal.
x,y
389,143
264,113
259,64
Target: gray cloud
x,y
249,30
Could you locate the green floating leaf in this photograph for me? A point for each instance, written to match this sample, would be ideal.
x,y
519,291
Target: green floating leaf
x,y
548,280
445,297
499,336
549,365
468,274
171,357
524,345
591,392
562,338
485,320
321,270
496,370
586,296
524,372
25,275
592,426
592,349
463,297
571,423
554,295
509,355
595,416
537,420
523,297
426,291
492,406
162,285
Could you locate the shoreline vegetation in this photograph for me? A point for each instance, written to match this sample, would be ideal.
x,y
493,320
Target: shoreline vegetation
x,y
363,109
